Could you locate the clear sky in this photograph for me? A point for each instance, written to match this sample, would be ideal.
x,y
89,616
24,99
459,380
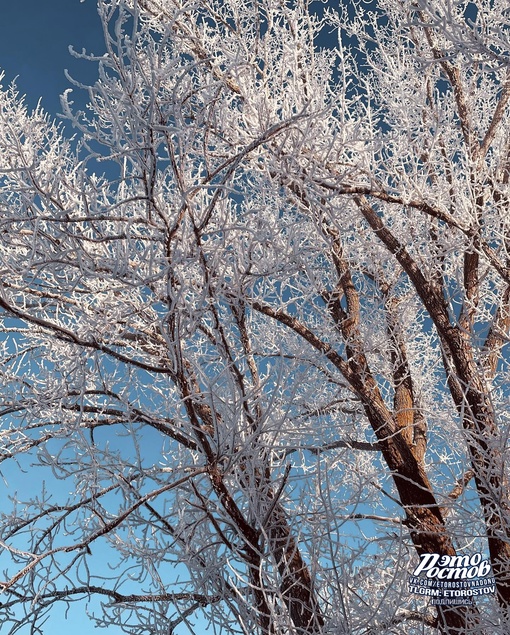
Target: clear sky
x,y
34,40
34,50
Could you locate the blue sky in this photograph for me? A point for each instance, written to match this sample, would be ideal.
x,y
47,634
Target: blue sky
x,y
34,40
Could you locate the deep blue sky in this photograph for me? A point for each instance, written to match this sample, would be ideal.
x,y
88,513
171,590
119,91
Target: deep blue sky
x,y
34,40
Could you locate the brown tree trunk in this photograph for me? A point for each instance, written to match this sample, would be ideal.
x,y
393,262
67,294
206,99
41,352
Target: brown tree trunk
x,y
478,419
296,586
423,516
472,399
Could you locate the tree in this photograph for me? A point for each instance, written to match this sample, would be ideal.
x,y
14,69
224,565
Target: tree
x,y
260,364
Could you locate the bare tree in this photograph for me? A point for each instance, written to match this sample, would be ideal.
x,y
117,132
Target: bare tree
x,y
260,365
